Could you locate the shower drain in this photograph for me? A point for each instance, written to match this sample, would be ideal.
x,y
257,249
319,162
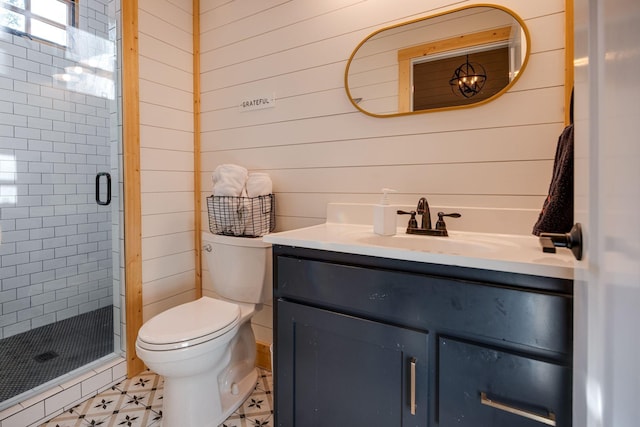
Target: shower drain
x,y
47,355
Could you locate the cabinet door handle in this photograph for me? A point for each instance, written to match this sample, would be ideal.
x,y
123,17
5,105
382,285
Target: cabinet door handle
x,y
412,367
549,420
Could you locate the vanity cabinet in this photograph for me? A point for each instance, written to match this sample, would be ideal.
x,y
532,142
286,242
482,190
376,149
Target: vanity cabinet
x,y
349,371
362,340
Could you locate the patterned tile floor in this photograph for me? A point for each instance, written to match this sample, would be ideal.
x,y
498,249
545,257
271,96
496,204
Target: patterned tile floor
x,y
137,402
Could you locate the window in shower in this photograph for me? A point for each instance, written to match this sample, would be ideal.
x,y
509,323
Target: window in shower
x,y
46,20
60,208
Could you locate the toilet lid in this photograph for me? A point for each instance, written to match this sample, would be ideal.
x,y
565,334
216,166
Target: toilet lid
x,y
189,324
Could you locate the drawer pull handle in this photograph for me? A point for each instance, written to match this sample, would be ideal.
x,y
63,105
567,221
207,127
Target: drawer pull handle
x,y
549,420
412,365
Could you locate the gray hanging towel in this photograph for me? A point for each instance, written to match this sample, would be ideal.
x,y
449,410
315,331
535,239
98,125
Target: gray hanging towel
x,y
557,211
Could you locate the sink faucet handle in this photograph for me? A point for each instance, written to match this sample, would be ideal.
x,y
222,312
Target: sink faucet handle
x,y
440,225
413,223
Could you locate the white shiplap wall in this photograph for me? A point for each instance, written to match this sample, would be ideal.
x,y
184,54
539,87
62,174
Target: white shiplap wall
x,y
166,153
319,149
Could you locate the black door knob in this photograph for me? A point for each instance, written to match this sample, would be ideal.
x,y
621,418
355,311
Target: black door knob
x,y
571,240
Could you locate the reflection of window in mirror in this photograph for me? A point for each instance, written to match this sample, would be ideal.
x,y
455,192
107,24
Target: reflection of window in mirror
x,y
431,76
424,71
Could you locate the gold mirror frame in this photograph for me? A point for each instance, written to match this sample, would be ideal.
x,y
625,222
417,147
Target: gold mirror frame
x,y
437,46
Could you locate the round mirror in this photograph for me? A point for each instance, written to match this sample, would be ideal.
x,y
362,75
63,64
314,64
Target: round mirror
x,y
456,59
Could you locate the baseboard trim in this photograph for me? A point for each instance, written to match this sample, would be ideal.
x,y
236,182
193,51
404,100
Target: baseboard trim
x,y
263,355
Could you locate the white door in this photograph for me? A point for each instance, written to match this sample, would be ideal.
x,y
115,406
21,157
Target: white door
x,y
607,289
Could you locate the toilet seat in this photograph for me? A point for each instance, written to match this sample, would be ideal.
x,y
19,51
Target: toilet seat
x,y
189,324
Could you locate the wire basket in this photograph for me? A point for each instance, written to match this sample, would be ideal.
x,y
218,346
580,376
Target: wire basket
x,y
242,216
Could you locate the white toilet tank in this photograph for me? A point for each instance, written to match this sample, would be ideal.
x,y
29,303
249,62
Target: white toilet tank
x,y
240,267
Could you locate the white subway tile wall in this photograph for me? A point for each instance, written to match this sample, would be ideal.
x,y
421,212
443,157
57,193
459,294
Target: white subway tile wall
x,y
56,258
56,253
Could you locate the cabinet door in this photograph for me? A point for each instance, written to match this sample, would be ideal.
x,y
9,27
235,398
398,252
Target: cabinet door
x,y
337,370
484,387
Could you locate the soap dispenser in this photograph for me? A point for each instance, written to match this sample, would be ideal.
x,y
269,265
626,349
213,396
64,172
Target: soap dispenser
x,y
384,215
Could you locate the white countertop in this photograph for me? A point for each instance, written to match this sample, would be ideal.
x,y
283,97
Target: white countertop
x,y
498,252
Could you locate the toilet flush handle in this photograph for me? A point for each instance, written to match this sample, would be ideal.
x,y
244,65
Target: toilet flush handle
x,y
207,247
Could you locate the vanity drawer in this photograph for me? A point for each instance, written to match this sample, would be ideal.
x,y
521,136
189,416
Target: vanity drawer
x,y
484,387
503,314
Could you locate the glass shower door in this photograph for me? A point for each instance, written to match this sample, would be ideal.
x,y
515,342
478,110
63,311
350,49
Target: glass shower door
x,y
59,213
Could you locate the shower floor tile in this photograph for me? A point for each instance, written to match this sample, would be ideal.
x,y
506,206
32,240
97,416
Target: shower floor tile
x,y
42,354
137,402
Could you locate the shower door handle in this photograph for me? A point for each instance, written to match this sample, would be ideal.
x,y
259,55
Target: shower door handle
x,y
98,200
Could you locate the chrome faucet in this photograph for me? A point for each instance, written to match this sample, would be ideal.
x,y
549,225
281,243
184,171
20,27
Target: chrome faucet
x,y
426,229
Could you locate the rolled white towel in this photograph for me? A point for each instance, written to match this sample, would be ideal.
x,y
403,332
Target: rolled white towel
x,y
259,184
229,180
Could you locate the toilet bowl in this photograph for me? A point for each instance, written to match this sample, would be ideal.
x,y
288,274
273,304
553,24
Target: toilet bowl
x,y
205,349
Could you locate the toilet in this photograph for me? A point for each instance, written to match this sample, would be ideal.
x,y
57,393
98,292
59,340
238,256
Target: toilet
x,y
206,349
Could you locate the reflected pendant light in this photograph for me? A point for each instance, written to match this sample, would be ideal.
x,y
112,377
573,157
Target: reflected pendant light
x,y
468,79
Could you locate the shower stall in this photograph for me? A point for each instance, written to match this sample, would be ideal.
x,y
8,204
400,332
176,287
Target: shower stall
x,y
60,181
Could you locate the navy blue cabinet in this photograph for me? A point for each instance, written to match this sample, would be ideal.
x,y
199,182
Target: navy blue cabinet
x,y
379,342
341,370
484,386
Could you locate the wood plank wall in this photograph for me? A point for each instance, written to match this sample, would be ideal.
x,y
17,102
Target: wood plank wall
x,y
319,149
169,257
